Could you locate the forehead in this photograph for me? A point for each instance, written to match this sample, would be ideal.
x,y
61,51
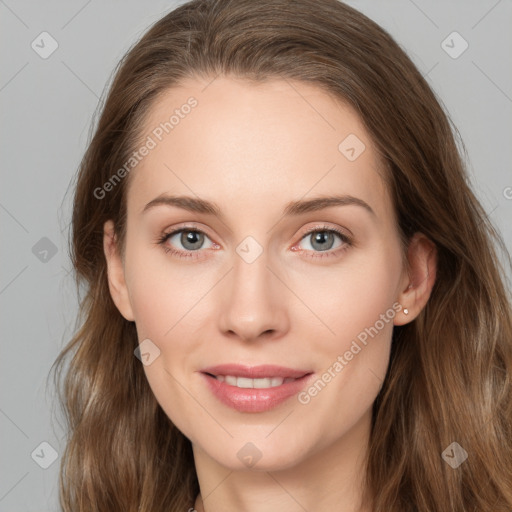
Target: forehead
x,y
248,144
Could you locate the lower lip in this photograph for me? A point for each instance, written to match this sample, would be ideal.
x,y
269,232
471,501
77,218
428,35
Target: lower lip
x,y
254,400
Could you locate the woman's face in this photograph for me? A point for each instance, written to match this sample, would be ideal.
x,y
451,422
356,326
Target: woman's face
x,y
254,287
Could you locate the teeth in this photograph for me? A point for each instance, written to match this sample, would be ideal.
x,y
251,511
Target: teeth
x,y
244,382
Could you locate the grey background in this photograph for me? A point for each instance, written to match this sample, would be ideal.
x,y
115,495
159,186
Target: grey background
x,y
47,106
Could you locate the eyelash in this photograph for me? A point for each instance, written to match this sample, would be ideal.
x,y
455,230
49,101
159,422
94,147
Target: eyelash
x,y
320,254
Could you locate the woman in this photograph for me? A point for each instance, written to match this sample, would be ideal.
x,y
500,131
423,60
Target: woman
x,y
228,361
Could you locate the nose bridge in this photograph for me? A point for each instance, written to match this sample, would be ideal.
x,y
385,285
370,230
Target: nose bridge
x,y
254,302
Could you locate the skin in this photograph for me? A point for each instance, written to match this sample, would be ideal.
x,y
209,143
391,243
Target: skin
x,y
252,149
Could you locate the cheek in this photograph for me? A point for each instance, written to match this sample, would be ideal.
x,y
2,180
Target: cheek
x,y
357,305
354,296
170,303
162,292
167,308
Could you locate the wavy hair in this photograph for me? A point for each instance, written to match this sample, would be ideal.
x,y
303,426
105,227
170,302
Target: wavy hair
x,y
449,376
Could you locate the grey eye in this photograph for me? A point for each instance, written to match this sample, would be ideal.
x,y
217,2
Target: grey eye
x,y
322,240
190,240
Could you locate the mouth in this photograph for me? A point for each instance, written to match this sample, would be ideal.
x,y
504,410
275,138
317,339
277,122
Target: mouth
x,y
256,388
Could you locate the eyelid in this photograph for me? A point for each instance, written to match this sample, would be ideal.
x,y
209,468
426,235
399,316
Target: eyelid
x,y
344,233
185,227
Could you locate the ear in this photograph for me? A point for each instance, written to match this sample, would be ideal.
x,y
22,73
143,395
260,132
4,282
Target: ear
x,y
419,278
115,271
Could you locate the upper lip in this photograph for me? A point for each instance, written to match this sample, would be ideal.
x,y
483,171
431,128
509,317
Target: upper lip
x,y
255,372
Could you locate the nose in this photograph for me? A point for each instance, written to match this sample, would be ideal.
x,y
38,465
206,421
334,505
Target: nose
x,y
253,302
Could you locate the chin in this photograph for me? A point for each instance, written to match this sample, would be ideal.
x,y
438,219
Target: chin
x,y
258,454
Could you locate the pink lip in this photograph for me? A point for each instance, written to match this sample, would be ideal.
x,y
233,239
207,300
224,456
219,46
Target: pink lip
x,y
250,399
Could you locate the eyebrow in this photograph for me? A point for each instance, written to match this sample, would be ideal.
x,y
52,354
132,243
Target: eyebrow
x,y
294,208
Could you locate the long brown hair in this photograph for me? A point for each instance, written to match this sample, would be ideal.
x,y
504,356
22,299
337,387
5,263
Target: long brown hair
x,y
449,378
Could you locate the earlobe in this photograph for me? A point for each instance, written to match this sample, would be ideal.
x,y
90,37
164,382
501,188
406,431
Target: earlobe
x,y
115,272
420,279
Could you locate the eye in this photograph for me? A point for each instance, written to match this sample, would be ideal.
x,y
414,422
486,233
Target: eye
x,y
190,238
322,240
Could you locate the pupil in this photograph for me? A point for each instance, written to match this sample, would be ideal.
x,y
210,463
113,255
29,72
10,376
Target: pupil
x,y
193,238
320,238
